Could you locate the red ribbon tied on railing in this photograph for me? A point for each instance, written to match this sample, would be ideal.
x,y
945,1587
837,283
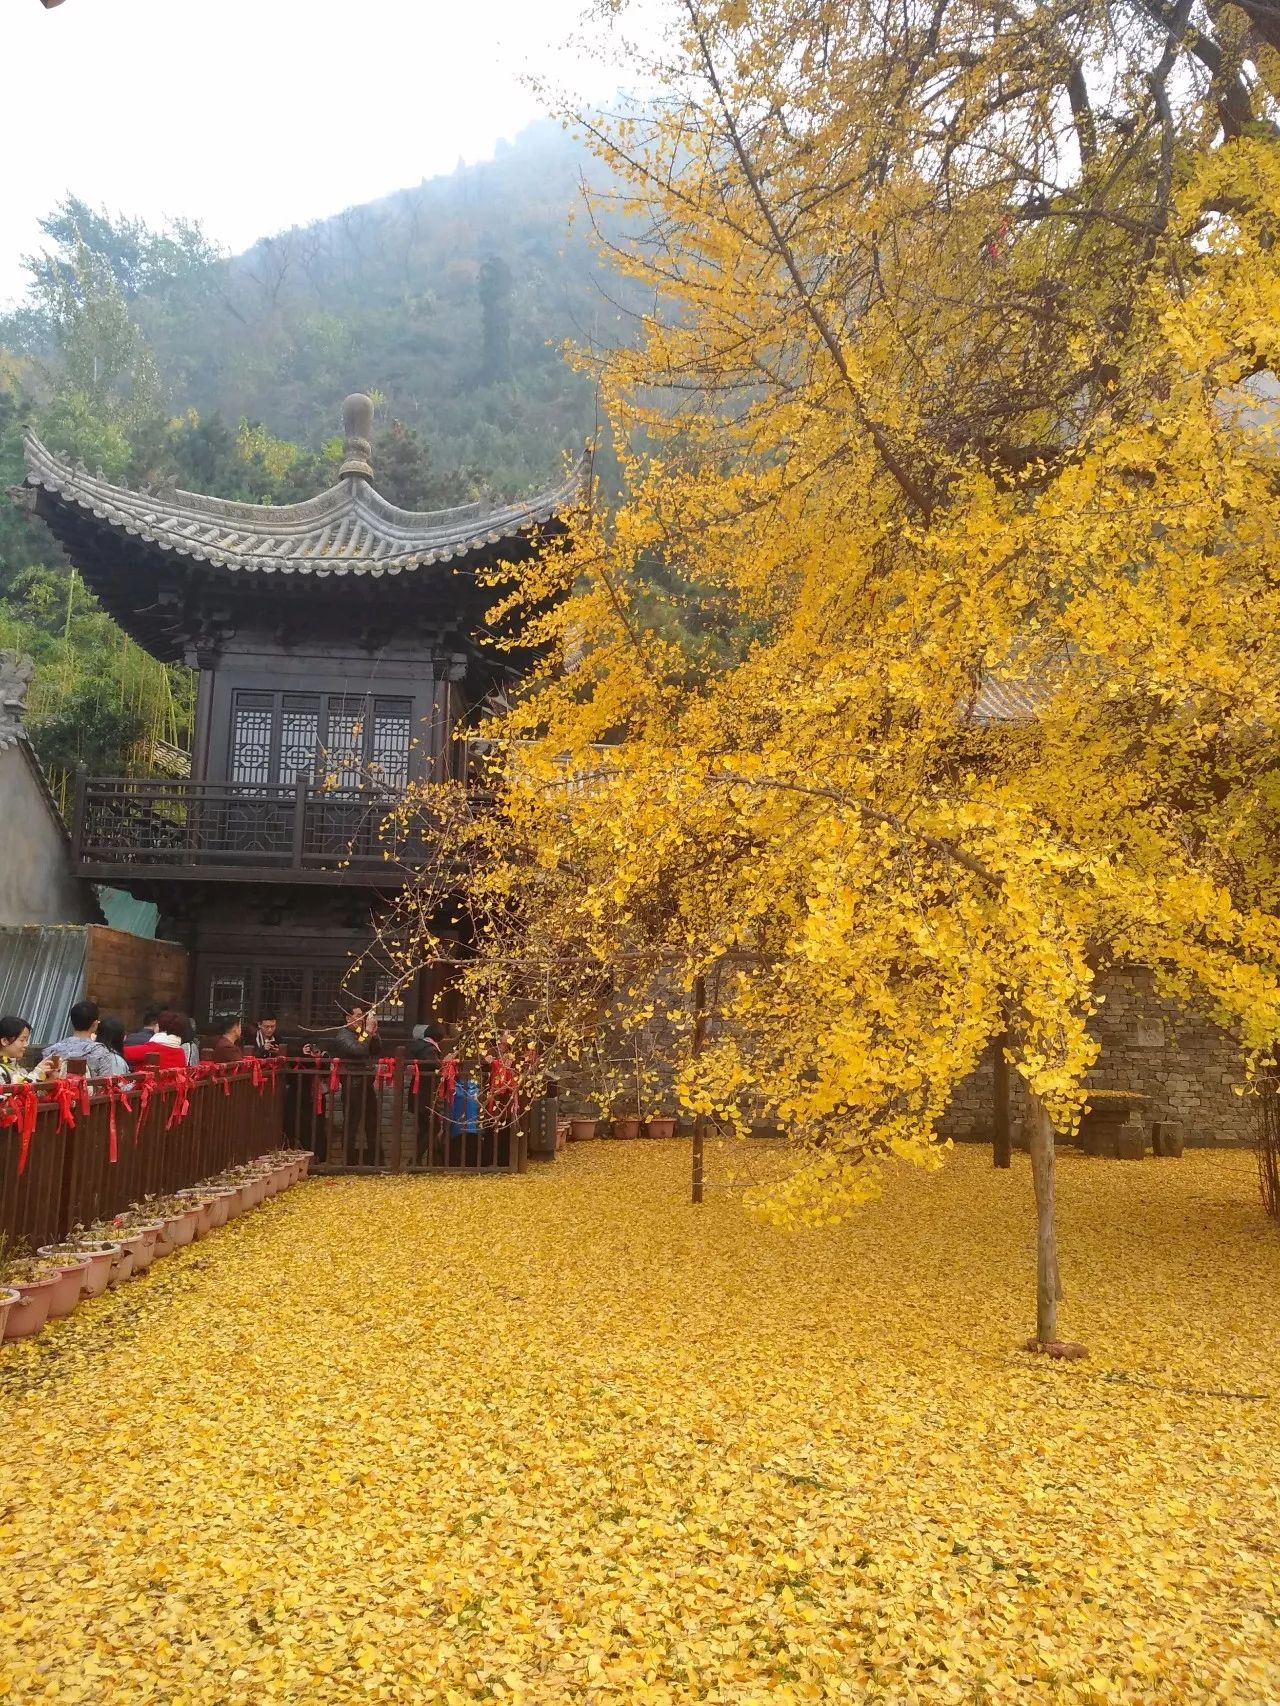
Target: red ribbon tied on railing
x,y
86,1098
67,1096
334,1074
144,1097
448,1079
114,1094
19,1108
257,1076
415,1078
181,1081
384,1073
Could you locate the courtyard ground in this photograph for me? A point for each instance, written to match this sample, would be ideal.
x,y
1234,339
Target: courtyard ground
x,y
564,1438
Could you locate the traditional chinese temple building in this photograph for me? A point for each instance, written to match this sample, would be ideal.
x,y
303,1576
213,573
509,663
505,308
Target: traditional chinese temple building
x,y
340,645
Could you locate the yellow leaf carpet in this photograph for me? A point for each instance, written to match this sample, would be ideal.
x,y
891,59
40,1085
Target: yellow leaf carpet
x,y
563,1438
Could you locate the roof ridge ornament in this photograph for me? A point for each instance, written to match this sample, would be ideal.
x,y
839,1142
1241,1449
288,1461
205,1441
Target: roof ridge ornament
x,y
357,424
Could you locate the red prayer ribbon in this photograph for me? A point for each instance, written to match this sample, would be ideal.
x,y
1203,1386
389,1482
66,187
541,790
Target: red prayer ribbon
x,y
181,1080
415,1078
66,1095
448,1079
21,1106
144,1096
384,1073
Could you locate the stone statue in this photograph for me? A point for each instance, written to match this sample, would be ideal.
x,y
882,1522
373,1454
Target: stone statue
x,y
15,678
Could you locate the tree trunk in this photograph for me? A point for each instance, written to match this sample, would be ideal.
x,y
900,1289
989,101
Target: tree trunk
x,y
699,1124
1001,1147
1042,1158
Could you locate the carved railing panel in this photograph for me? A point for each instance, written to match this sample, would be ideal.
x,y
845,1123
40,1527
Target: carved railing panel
x,y
169,824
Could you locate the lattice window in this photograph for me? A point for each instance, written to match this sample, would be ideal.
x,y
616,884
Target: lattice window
x,y
299,737
226,995
251,732
390,1007
281,995
344,745
389,751
333,990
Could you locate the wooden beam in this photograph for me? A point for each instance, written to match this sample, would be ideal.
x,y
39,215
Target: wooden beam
x,y
1002,1145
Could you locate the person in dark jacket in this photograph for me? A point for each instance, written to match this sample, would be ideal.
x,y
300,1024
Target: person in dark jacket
x,y
426,1052
150,1025
266,1039
226,1050
357,1046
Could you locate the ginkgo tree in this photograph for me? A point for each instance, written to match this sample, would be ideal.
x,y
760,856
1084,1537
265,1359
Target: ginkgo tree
x,y
953,396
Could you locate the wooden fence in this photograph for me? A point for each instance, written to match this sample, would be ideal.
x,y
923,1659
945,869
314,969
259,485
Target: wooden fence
x,y
393,1116
81,1149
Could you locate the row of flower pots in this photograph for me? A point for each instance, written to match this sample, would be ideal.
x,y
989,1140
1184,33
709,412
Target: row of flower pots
x,y
104,1255
582,1130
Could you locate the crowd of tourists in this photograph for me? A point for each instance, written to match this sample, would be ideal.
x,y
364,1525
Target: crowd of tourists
x,y
166,1038
447,1097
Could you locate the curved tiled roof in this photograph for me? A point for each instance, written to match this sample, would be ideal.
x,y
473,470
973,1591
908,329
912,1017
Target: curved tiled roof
x,y
348,530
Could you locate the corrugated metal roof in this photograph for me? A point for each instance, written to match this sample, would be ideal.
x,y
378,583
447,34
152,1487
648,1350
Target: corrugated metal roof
x,y
42,974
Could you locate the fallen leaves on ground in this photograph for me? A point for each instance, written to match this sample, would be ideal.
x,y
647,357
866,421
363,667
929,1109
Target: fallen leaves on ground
x,y
565,1438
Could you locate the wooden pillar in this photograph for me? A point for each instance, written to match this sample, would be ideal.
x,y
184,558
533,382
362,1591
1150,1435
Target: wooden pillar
x,y
1042,1173
699,1123
1002,1146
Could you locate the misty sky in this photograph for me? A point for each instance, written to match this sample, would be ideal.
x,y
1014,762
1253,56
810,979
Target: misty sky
x,y
253,115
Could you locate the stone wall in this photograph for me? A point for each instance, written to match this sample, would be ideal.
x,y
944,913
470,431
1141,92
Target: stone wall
x,y
37,883
1187,1067
126,974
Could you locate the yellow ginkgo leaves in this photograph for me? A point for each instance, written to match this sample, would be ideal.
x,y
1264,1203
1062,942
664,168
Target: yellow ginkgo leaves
x,y
564,1439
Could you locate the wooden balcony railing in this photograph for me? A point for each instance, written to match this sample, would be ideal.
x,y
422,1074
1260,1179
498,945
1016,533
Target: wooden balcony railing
x,y
129,827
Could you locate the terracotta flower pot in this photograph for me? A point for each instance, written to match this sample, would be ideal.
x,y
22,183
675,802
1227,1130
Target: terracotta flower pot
x,y
304,1163
180,1229
28,1315
235,1200
67,1292
221,1211
661,1128
102,1258
8,1297
626,1128
204,1206
582,1131
141,1241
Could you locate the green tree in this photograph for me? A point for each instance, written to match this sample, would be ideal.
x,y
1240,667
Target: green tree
x,y
493,286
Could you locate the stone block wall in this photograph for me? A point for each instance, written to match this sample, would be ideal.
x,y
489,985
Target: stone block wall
x,y
125,974
1187,1067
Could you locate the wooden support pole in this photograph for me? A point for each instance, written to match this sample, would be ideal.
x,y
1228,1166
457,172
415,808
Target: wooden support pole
x,y
699,1036
1048,1289
1002,1146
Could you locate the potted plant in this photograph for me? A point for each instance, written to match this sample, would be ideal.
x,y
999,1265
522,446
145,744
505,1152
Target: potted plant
x,y
175,1217
202,1201
27,1285
661,1127
72,1265
141,1233
583,1128
9,1295
109,1262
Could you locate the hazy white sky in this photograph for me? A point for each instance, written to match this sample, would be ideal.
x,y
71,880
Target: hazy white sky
x,y
253,115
